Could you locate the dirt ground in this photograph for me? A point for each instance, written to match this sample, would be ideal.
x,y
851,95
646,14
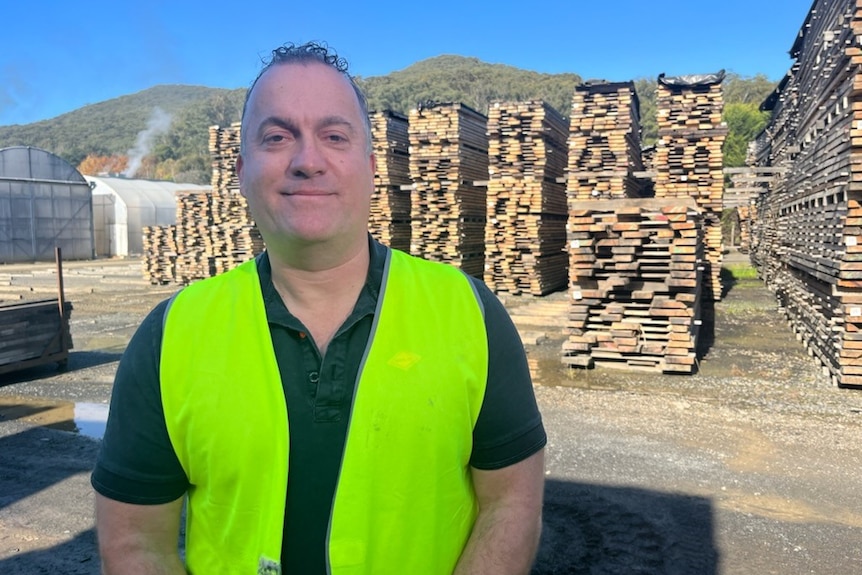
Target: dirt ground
x,y
749,466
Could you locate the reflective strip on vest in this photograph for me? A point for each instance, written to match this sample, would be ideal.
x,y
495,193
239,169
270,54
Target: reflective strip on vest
x,y
404,501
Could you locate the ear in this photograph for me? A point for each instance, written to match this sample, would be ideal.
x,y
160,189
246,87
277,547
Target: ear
x,y
239,164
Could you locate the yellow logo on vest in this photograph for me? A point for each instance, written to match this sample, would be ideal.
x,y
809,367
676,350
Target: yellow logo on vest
x,y
404,360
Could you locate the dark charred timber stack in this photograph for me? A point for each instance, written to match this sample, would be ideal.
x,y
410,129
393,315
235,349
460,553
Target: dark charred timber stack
x,y
389,221
635,267
525,237
33,333
807,240
604,142
688,157
36,332
449,170
214,231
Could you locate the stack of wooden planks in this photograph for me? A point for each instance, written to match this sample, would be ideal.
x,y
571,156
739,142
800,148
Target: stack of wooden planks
x,y
160,254
525,237
32,333
214,231
224,150
604,142
688,156
449,170
635,274
389,219
807,231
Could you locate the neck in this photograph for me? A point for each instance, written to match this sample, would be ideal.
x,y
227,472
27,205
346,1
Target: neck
x,y
321,297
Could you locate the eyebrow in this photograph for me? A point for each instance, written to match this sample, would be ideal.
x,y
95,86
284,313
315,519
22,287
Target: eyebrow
x,y
336,120
290,125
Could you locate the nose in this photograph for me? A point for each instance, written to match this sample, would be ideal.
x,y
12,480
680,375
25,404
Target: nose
x,y
307,160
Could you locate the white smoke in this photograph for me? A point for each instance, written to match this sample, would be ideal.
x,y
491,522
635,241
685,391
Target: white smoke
x,y
159,123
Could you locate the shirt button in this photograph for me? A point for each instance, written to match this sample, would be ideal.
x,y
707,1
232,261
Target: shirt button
x,y
313,377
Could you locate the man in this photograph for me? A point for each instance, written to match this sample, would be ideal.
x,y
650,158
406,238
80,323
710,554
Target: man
x,y
332,406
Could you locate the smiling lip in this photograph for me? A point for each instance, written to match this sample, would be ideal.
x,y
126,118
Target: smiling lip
x,y
306,193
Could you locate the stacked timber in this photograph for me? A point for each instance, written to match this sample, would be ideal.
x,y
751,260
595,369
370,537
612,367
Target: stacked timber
x,y
389,219
449,170
160,254
194,218
807,241
635,275
214,231
604,142
525,238
688,158
224,151
234,238
33,331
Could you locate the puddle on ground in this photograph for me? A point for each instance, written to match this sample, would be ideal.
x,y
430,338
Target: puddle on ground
x,y
87,419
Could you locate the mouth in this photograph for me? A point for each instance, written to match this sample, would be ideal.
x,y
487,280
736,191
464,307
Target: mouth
x,y
306,193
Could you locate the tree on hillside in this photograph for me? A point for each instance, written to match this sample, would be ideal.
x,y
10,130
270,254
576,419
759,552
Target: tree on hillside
x,y
94,165
744,121
645,90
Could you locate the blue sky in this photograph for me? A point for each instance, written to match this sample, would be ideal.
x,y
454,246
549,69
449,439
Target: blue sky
x,y
56,55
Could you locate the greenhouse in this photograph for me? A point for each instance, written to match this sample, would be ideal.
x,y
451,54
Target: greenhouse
x,y
44,203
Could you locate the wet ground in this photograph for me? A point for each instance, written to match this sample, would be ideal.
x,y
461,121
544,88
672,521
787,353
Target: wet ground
x,y
749,466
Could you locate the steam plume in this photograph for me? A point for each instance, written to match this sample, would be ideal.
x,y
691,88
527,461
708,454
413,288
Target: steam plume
x,y
158,123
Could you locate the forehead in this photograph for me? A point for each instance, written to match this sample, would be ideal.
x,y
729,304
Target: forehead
x,y
303,88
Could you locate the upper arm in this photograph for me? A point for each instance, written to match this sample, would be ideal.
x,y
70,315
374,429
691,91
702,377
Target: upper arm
x,y
518,486
138,538
509,427
136,461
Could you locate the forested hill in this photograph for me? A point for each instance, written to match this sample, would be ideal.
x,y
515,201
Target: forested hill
x,y
469,81
171,122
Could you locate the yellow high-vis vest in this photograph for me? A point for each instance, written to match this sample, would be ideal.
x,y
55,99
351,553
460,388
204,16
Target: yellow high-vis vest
x,y
404,500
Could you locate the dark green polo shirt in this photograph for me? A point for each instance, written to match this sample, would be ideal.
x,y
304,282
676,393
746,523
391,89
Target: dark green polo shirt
x,y
137,464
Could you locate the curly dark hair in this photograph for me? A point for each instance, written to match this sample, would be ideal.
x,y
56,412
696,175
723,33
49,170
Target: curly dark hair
x,y
313,52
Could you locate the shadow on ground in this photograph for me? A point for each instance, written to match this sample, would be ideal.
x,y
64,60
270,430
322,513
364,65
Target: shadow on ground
x,y
590,528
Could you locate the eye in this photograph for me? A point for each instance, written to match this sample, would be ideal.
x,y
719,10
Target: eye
x,y
336,138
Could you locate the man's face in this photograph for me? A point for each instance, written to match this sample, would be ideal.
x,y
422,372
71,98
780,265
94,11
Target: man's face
x,y
305,167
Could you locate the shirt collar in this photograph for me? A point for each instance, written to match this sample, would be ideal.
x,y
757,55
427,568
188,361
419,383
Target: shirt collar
x,y
277,312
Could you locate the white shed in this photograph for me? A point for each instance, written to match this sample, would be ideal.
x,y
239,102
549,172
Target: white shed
x,y
122,207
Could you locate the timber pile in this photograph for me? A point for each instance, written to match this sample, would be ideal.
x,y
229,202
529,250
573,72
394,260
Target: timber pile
x,y
807,241
604,142
160,254
688,157
224,150
33,330
525,238
635,276
389,220
214,231
449,170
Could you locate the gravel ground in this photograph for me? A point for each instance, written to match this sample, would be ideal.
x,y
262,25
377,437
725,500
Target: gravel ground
x,y
749,466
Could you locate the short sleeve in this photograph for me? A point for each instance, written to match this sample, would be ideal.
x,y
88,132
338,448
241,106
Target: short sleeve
x,y
509,428
136,462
